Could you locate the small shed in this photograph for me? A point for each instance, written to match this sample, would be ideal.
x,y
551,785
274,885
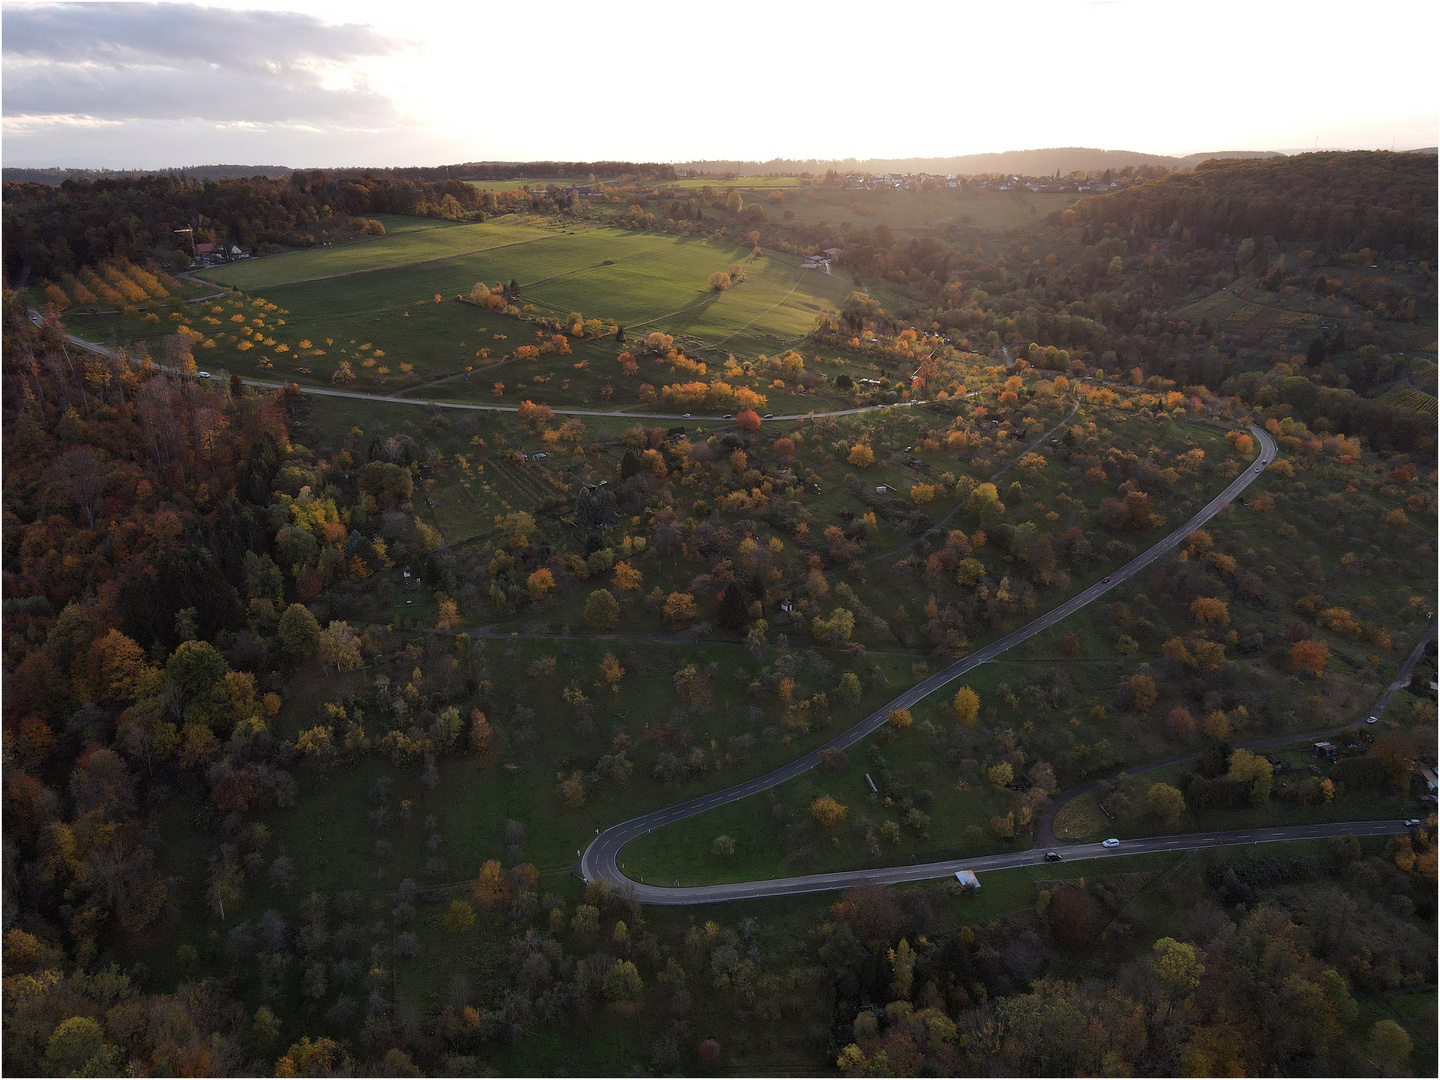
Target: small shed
x,y
967,879
1328,751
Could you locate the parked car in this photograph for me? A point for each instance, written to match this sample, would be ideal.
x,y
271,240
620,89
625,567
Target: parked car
x,y
204,374
1372,719
1112,842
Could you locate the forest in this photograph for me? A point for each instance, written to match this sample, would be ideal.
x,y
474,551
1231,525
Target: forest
x,y
313,701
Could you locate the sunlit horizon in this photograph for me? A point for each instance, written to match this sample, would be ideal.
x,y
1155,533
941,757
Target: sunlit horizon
x,y
312,83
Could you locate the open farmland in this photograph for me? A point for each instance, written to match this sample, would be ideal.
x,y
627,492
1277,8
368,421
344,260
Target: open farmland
x,y
919,213
639,280
373,306
398,248
634,279
743,183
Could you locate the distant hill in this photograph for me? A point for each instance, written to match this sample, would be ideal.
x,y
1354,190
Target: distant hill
x,y
1067,159
57,176
1333,201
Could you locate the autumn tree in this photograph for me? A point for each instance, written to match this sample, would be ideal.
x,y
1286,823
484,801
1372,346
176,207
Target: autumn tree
x,y
1207,609
491,887
1000,775
679,607
1309,655
1254,770
539,584
611,671
447,614
827,812
1142,691
749,420
966,706
1165,802
481,734
1178,963
117,666
627,578
1180,723
339,646
861,456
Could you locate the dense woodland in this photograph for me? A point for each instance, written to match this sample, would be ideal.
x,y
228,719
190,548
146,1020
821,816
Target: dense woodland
x,y
204,673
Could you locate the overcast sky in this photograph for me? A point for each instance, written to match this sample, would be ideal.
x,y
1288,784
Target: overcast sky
x,y
320,83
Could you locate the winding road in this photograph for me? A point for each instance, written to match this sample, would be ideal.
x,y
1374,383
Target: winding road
x,y
600,861
600,858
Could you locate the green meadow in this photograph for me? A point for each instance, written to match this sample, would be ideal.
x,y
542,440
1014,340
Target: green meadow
x,y
372,304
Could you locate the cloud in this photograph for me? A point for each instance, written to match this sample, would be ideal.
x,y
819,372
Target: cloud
x,y
110,62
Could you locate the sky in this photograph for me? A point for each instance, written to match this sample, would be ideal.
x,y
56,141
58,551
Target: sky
x,y
316,83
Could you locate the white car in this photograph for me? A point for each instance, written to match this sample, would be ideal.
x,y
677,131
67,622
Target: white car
x,y
204,374
1112,842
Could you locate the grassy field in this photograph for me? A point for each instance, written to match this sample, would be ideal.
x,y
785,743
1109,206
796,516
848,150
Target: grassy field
x,y
372,305
424,241
916,213
511,185
744,183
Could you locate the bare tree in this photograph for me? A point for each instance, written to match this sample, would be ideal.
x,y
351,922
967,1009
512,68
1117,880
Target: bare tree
x,y
81,472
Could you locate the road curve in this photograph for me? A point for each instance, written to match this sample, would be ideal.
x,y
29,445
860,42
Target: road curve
x,y
599,861
898,875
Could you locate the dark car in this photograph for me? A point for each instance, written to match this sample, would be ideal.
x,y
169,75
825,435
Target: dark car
x,y
1106,581
1052,856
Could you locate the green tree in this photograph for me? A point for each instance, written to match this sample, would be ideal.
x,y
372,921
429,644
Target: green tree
x,y
1389,1044
460,917
902,959
78,1048
622,982
299,632
195,668
1178,964
1254,770
602,610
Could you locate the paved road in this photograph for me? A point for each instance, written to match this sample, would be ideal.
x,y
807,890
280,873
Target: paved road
x,y
600,859
897,875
